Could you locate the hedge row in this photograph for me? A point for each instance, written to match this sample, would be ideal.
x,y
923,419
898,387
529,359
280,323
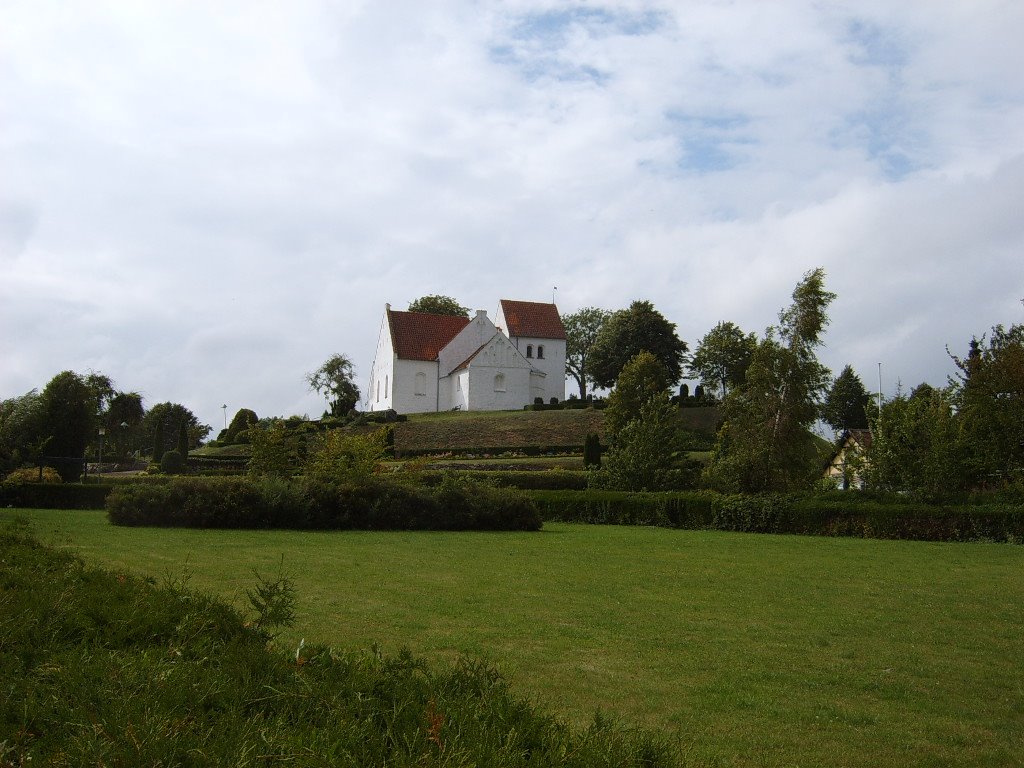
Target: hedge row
x,y
523,479
483,450
823,515
237,502
53,495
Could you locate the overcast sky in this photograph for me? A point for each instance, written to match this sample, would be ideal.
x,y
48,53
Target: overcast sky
x,y
206,200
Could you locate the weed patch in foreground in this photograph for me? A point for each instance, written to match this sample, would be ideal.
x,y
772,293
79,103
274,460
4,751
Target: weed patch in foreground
x,y
102,668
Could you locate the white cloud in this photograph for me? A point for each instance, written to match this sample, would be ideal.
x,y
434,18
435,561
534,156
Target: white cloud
x,y
205,202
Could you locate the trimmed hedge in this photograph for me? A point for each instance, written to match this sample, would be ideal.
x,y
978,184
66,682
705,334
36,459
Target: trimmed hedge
x,y
525,479
53,495
455,504
687,509
823,515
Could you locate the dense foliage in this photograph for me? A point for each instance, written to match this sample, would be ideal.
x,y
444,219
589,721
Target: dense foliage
x,y
335,380
271,502
103,668
832,514
722,357
436,304
765,443
642,378
581,331
630,331
846,405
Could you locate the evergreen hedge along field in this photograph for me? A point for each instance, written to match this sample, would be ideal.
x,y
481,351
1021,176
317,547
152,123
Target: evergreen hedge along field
x,y
454,504
104,668
834,514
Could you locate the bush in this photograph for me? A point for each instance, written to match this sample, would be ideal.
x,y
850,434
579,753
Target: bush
x,y
527,480
172,463
33,475
592,451
272,502
835,514
53,495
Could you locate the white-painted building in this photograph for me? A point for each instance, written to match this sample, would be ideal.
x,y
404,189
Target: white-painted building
x,y
428,362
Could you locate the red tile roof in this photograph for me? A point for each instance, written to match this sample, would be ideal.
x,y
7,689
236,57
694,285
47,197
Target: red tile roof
x,y
533,319
419,335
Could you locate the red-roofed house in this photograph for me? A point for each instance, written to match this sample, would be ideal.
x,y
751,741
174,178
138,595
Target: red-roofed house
x,y
427,362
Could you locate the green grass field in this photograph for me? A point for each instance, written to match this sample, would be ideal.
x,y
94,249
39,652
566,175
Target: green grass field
x,y
757,650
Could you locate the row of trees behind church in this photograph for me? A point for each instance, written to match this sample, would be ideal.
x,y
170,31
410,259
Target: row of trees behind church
x,y
933,442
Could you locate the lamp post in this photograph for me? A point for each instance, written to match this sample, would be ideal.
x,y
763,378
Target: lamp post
x,y
99,467
225,409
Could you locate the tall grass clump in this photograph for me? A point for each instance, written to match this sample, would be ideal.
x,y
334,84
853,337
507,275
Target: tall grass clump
x,y
103,668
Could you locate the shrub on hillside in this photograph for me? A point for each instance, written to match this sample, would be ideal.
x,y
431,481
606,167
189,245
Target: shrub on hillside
x,y
172,463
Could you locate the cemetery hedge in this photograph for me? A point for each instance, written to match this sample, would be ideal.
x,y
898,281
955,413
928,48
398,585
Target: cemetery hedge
x,y
269,502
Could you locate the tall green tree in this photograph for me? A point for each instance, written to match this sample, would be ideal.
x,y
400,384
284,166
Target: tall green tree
x,y
642,378
168,416
988,393
647,454
69,417
22,422
723,356
628,332
335,381
581,331
765,443
846,404
123,419
436,304
915,447
240,422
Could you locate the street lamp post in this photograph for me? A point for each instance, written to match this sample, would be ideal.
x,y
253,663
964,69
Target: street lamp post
x,y
99,467
225,409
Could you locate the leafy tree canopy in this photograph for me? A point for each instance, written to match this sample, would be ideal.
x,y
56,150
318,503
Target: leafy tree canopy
x,y
241,421
846,405
581,330
642,379
989,396
164,420
628,332
723,356
436,304
69,419
915,448
334,380
647,454
765,443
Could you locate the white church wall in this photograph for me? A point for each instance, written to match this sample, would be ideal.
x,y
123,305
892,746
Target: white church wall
x,y
466,342
382,371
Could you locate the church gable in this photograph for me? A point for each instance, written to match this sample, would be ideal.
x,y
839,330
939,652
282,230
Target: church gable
x,y
498,353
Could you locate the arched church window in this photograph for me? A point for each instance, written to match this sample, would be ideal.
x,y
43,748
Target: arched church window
x,y
529,350
421,383
499,382
540,352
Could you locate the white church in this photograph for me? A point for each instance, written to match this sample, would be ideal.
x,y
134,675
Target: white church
x,y
427,362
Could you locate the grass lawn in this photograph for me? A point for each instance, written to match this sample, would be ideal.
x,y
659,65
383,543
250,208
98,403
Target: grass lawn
x,y
758,650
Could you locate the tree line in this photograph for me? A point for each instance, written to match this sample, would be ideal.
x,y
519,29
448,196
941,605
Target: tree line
x,y
935,442
76,417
